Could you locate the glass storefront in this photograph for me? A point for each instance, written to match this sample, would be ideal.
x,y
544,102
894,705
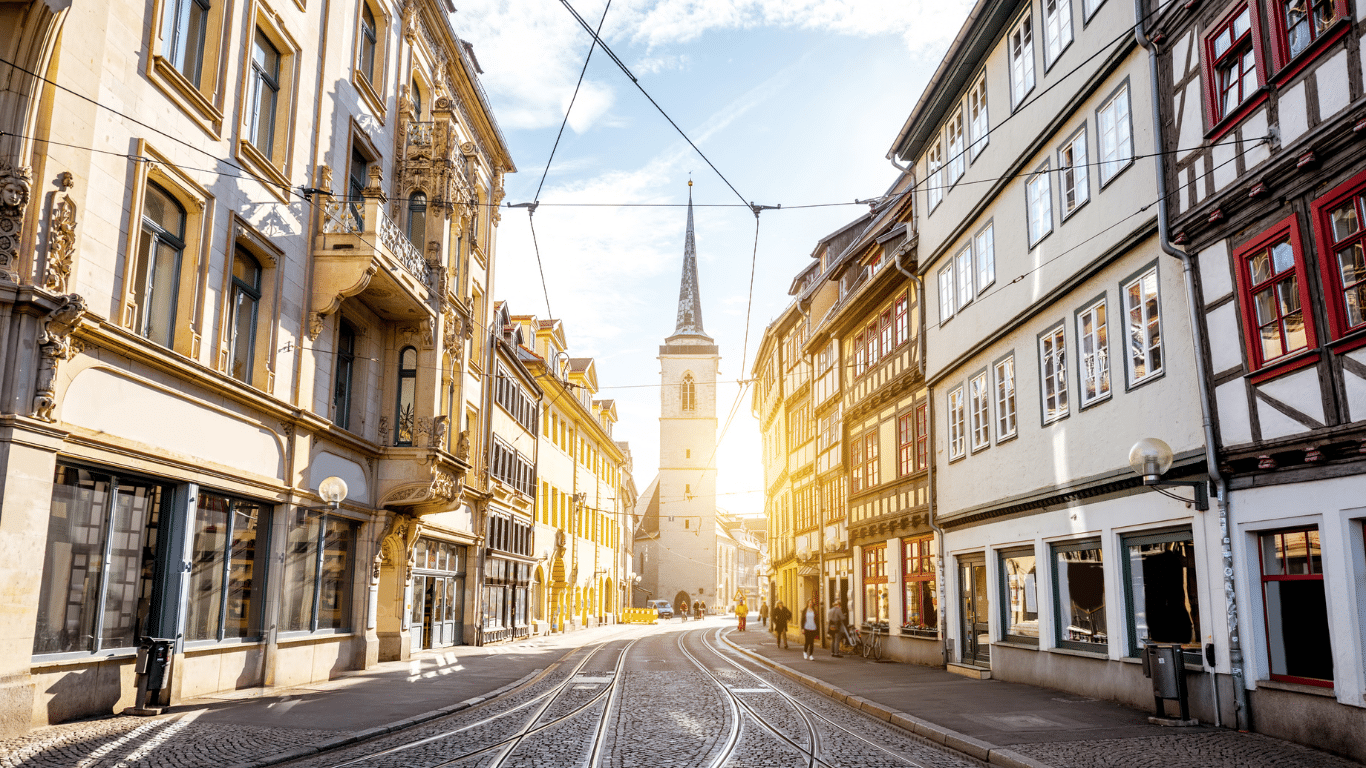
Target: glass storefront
x,y
438,605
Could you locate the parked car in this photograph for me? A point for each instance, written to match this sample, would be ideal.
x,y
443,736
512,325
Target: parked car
x,y
665,609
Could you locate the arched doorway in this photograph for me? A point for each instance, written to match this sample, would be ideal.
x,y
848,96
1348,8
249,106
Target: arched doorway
x,y
609,597
684,598
538,587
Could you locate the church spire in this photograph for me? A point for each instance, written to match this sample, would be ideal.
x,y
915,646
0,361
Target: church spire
x,y
689,297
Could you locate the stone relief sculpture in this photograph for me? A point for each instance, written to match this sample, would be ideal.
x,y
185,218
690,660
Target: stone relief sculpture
x,y
61,237
440,428
54,347
15,185
462,446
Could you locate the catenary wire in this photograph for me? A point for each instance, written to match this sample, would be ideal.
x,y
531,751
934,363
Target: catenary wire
x,y
572,99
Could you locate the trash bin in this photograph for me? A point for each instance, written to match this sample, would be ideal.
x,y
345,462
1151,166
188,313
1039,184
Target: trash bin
x,y
154,656
1165,664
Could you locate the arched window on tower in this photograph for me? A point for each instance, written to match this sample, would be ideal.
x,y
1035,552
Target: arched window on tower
x,y
689,393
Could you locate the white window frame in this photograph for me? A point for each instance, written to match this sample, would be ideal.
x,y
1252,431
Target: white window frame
x,y
979,399
984,244
1115,135
962,267
1093,353
979,124
934,173
1003,379
953,139
946,293
1089,7
1074,181
1020,45
1039,205
958,438
1149,318
1057,29
1053,369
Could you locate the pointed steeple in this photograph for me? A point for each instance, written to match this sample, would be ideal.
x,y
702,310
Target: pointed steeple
x,y
689,296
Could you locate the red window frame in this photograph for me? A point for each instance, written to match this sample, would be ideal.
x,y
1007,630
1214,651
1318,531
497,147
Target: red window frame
x,y
1285,228
901,322
918,569
1319,38
1218,120
860,355
870,337
875,564
1354,189
922,436
1273,577
864,474
885,332
905,450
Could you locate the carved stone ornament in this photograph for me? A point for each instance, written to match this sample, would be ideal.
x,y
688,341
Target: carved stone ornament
x,y
54,347
15,185
383,430
325,178
462,446
315,326
61,237
440,428
420,332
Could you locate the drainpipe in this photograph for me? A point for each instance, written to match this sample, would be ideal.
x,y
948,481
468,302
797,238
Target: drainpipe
x,y
815,502
1235,648
929,464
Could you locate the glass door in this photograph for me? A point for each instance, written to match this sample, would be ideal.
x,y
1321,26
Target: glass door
x,y
972,585
419,613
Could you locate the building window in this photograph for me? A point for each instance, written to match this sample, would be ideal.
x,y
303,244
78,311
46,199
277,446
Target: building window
x,y
1053,373
953,135
922,437
1273,294
1144,330
902,321
1164,598
1232,51
885,332
979,399
1094,341
1020,596
1057,28
978,128
905,443
369,39
1115,135
1072,168
1039,194
160,252
1021,61
1298,644
867,456
689,393
1300,22
264,94
963,269
957,425
934,166
1344,260
344,375
185,36
1004,376
1079,596
918,574
100,563
1089,7
246,298
946,293
228,561
417,220
876,608
358,178
404,405
317,574
417,99
985,243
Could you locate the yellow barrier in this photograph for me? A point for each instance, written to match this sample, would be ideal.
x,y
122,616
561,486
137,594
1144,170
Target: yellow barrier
x,y
639,616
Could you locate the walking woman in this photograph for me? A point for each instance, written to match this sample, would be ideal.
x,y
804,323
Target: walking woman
x,y
811,629
781,615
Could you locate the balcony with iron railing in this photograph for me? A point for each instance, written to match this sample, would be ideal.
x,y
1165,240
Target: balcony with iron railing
x,y
360,251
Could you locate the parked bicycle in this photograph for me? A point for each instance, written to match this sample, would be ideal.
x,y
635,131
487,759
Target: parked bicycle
x,y
867,640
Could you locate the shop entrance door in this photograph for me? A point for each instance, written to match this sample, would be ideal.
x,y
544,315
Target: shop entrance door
x,y
972,586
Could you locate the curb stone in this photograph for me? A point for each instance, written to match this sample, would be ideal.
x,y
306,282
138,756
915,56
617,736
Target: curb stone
x,y
295,753
947,737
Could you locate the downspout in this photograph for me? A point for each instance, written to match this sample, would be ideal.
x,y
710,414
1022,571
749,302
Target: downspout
x,y
1235,648
815,499
481,521
929,463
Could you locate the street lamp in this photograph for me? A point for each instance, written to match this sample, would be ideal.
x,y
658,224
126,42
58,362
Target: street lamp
x,y
333,491
1150,458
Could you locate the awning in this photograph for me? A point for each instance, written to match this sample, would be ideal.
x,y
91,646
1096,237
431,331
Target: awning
x,y
808,570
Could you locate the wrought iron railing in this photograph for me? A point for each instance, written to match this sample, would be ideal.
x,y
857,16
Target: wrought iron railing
x,y
393,238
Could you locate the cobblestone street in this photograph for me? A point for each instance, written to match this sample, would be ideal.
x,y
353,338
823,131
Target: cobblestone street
x,y
665,696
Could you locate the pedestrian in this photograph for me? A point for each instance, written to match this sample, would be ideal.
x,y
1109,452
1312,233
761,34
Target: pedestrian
x,y
697,609
741,611
763,613
835,623
683,611
811,629
781,615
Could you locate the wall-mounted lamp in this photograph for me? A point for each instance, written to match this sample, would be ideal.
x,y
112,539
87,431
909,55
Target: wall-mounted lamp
x,y
1151,458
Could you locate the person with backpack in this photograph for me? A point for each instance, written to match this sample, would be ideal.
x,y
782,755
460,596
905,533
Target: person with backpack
x,y
741,611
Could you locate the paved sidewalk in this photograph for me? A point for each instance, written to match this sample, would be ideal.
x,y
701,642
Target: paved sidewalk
x,y
1001,722
263,726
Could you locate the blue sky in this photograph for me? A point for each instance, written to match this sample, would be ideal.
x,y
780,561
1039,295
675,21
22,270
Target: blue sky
x,y
795,102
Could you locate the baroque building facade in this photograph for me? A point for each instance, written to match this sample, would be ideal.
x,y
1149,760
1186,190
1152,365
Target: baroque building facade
x,y
228,275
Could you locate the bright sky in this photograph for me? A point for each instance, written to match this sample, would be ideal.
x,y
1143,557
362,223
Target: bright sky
x,y
795,102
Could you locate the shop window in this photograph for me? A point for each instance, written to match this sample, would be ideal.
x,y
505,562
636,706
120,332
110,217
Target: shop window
x,y
160,255
1115,135
1039,205
100,563
1073,174
243,309
1053,373
985,244
319,550
1020,593
1094,340
1079,596
228,559
918,574
1144,327
1273,292
1233,54
979,130
1004,378
957,425
1342,248
1164,598
979,399
404,414
875,597
1298,23
1021,45
1298,646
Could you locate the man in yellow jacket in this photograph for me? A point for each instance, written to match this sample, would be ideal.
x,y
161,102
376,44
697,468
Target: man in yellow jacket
x,y
741,611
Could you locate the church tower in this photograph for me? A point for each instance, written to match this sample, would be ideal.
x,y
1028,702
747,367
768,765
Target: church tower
x,y
685,551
